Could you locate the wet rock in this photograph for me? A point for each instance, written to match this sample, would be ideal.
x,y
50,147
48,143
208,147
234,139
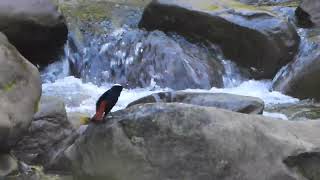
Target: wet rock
x,y
253,38
180,141
35,28
310,9
20,91
242,104
49,134
301,78
136,58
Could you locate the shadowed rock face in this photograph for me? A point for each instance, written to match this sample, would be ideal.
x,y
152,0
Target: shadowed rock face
x,y
242,104
20,91
35,28
311,12
253,38
303,18
179,141
307,163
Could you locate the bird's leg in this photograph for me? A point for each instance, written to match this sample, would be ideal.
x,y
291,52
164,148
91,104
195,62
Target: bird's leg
x,y
110,115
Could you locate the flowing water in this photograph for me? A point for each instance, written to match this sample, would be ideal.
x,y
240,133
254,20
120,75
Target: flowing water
x,y
146,63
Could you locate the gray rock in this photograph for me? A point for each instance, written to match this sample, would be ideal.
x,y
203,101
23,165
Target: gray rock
x,y
242,104
50,133
311,8
253,38
180,141
34,27
20,91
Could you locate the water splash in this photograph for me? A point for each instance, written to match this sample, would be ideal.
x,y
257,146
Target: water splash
x,y
81,97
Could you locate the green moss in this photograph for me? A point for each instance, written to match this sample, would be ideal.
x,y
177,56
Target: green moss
x,y
88,11
207,5
241,6
311,114
293,3
210,7
9,86
37,106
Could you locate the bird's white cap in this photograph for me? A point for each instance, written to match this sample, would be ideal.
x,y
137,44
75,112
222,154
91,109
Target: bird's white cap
x,y
117,85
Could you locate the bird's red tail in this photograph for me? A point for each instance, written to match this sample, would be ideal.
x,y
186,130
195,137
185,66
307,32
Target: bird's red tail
x,y
100,111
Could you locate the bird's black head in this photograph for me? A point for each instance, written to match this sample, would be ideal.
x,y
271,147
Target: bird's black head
x,y
117,88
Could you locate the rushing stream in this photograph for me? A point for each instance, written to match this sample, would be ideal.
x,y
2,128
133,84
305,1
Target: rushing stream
x,y
146,62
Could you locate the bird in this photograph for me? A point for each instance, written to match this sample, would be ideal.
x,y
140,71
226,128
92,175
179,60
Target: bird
x,y
104,104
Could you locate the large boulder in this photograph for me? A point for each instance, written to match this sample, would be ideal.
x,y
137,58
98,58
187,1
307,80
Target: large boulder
x,y
301,78
242,104
20,90
254,38
180,141
309,11
34,27
49,134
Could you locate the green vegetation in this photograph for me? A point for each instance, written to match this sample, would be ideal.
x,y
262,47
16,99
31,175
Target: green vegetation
x,y
8,87
88,11
37,105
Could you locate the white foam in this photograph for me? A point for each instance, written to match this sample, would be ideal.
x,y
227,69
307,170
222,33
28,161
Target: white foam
x,y
81,97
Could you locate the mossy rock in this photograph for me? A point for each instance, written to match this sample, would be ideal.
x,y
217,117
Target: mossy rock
x,y
304,110
88,10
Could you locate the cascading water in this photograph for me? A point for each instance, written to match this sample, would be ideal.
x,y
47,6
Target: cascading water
x,y
145,63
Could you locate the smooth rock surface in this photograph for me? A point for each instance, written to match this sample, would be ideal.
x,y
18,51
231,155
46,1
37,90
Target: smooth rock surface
x,y
254,38
242,104
180,141
20,91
